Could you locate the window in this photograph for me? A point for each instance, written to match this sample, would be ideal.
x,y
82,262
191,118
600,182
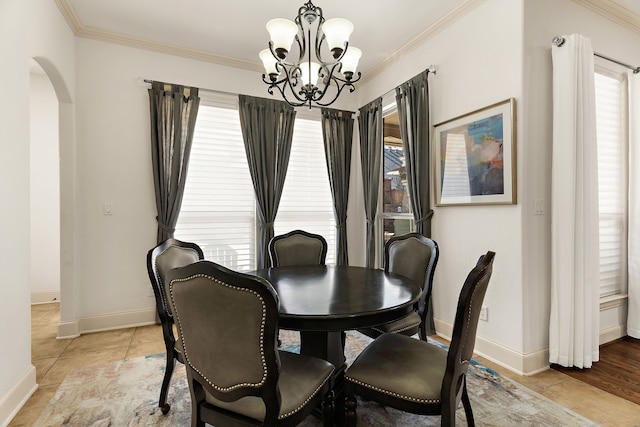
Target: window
x,y
218,208
611,112
307,202
395,206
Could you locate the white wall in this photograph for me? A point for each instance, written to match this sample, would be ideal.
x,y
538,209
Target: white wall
x,y
44,189
479,63
28,29
114,158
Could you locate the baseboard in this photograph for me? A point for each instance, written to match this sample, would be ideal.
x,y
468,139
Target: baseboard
x,y
44,297
107,322
613,333
15,398
519,363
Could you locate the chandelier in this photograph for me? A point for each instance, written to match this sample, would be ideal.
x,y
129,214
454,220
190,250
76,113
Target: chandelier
x,y
306,80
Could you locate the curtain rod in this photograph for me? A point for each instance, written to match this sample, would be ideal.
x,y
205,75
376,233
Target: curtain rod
x,y
202,89
432,69
559,41
221,92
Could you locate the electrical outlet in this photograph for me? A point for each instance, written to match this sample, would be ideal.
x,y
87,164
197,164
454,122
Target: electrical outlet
x,y
538,207
484,313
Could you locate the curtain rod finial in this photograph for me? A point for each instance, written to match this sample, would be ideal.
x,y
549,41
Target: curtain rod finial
x,y
432,69
558,41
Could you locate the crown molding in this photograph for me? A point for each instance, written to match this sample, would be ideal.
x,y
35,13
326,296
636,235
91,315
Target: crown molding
x,y
70,15
83,31
461,10
614,12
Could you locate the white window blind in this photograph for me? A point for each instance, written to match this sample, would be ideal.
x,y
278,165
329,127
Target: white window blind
x,y
612,182
306,201
218,208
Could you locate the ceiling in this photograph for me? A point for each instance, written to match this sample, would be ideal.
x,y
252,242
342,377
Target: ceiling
x,y
233,32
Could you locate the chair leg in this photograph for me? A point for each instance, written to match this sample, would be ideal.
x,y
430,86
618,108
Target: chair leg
x,y
350,415
466,403
164,390
328,410
197,399
423,331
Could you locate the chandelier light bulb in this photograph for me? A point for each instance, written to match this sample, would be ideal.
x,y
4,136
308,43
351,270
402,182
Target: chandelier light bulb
x,y
337,32
282,32
269,63
350,61
310,74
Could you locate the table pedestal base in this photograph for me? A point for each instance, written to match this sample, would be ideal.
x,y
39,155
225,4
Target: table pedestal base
x,y
328,345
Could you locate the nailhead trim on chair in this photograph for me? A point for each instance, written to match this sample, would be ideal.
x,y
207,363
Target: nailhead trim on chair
x,y
186,355
303,404
391,393
466,330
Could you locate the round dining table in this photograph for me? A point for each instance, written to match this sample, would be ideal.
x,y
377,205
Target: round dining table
x,y
323,301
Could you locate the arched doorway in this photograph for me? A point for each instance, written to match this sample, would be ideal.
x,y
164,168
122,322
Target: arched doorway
x,y
68,326
44,188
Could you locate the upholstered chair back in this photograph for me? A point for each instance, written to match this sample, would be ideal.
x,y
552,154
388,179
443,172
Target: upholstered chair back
x,y
411,255
297,248
228,325
415,256
173,254
223,328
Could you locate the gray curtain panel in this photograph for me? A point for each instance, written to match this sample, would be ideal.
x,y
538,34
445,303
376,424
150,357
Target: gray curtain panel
x,y
267,130
174,109
370,126
337,133
412,99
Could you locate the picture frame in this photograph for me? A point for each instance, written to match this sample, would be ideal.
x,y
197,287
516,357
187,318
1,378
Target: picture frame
x,y
474,157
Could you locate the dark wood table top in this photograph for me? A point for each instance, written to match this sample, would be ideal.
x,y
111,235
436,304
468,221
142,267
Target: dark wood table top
x,y
338,298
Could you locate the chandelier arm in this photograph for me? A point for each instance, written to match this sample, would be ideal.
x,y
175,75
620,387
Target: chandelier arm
x,y
300,39
298,103
291,81
338,91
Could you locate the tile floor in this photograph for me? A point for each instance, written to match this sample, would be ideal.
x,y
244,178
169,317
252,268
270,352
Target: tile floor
x,y
54,359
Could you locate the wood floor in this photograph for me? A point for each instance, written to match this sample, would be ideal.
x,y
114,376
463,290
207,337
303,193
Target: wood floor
x,y
617,372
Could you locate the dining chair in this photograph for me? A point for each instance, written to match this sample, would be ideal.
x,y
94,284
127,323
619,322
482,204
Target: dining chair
x,y
228,325
415,256
297,247
167,255
416,376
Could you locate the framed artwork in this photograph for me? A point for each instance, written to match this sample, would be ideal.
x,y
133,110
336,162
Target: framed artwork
x,y
475,157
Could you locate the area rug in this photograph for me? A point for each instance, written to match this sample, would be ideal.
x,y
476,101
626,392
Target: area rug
x,y
125,394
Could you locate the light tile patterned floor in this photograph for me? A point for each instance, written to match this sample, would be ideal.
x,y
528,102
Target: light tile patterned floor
x,y
54,359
